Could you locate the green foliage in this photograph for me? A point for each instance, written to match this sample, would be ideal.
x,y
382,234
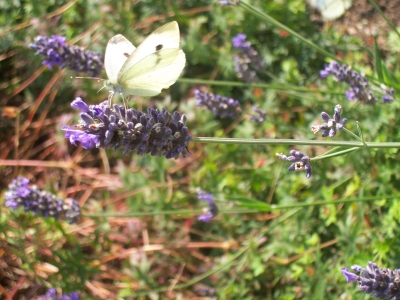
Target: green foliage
x,y
278,235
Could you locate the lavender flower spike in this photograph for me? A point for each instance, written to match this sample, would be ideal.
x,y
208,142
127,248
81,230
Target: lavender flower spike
x,y
389,94
247,62
158,132
52,295
212,210
357,82
380,283
259,115
330,127
218,105
58,53
299,160
41,203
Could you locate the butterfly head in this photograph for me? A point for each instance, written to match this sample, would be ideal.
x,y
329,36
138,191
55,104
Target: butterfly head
x,y
114,88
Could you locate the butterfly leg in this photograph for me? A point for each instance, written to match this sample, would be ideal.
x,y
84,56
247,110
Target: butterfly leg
x,y
125,99
110,96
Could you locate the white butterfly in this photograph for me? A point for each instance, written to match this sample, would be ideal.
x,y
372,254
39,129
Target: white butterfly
x,y
331,9
144,71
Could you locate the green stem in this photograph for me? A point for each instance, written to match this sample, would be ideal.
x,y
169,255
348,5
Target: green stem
x,y
245,211
360,132
239,141
337,201
143,214
353,134
257,85
339,153
168,212
278,24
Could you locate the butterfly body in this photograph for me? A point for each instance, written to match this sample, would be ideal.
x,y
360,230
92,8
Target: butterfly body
x,y
144,71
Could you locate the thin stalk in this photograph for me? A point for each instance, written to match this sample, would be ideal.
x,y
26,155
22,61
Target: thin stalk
x,y
244,211
353,134
239,141
339,153
360,132
337,201
257,85
168,212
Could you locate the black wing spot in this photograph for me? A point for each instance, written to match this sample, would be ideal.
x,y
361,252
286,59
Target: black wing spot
x,y
126,54
159,47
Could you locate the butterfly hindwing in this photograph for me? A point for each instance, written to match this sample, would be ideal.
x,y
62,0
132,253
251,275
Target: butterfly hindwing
x,y
155,72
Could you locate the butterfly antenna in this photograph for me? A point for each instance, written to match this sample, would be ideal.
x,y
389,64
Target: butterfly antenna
x,y
94,78
101,88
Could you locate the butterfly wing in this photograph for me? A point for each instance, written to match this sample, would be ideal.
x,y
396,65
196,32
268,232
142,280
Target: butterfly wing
x,y
164,37
117,52
331,9
154,73
335,8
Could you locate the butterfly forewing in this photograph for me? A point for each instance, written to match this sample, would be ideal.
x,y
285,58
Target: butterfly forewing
x,y
164,37
118,50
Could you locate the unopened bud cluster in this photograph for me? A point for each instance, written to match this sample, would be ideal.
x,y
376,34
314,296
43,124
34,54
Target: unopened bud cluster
x,y
380,283
58,53
247,61
331,125
300,162
42,203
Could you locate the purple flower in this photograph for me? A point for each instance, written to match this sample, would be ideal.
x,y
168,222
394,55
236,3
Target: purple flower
x,y
52,295
358,84
349,275
78,103
41,203
228,2
58,53
218,105
389,94
239,42
212,210
259,115
330,127
247,62
380,283
299,160
87,140
157,133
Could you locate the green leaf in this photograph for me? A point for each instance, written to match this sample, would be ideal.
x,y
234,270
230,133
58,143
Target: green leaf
x,y
378,60
251,203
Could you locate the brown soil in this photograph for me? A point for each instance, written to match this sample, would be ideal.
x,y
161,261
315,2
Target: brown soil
x,y
363,20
